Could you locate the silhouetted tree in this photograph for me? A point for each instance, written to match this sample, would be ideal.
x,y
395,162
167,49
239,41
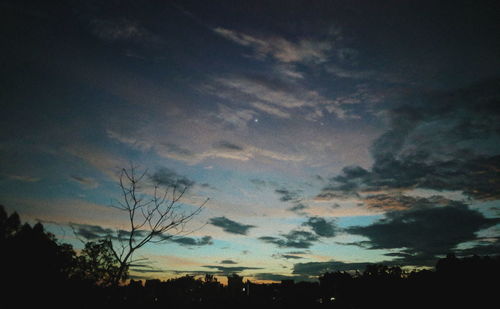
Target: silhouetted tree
x,y
32,260
335,286
97,263
235,284
9,225
209,278
153,217
234,281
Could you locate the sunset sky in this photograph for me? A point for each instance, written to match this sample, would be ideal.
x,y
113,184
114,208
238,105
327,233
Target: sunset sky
x,y
327,134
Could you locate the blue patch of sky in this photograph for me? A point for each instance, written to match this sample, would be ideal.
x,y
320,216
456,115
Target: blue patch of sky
x,y
343,222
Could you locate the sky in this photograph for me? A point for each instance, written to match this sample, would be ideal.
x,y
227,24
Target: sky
x,y
327,134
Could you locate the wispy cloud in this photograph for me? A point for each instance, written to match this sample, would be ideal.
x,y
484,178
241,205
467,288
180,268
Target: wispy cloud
x,y
393,201
281,49
62,211
271,110
88,182
220,149
236,117
122,30
225,145
23,178
104,161
273,96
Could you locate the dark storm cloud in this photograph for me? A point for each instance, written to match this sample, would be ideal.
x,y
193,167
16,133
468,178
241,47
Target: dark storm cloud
x,y
424,232
318,268
225,145
230,226
439,141
189,241
321,227
167,177
294,239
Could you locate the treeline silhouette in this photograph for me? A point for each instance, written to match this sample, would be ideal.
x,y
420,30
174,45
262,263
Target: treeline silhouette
x,y
36,268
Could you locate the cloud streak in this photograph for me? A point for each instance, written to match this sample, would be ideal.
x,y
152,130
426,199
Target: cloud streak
x,y
219,149
274,96
85,181
281,49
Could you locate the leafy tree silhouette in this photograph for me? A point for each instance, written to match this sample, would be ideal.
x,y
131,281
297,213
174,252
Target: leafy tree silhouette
x,y
32,259
97,263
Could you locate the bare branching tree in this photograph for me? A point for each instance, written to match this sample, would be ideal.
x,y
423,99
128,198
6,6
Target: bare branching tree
x,y
153,216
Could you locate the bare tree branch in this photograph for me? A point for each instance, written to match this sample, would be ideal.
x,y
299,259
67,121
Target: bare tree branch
x,y
152,217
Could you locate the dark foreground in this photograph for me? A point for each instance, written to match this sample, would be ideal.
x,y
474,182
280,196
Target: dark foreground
x,y
37,270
